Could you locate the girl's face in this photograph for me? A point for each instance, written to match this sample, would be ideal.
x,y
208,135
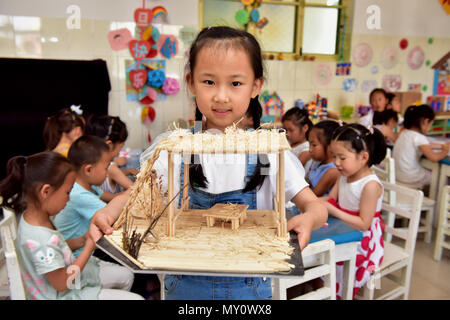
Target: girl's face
x,y
395,105
115,148
347,161
378,101
426,125
316,148
294,133
58,198
223,82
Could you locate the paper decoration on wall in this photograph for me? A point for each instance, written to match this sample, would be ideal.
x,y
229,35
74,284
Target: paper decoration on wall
x,y
170,86
445,5
187,35
273,107
441,85
362,54
250,15
416,87
159,14
168,46
343,68
392,82
118,39
416,57
139,49
374,70
138,78
350,84
368,85
323,75
143,16
389,57
147,65
403,44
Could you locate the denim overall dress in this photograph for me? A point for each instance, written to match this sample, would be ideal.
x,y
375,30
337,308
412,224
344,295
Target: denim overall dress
x,y
183,287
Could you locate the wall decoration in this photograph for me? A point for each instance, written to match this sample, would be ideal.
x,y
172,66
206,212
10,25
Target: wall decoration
x,y
389,57
374,70
403,44
350,84
368,85
416,87
362,54
442,76
250,16
416,57
168,46
445,5
323,75
273,107
392,82
343,68
118,39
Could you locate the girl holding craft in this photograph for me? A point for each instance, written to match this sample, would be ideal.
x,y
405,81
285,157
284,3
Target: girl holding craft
x,y
224,73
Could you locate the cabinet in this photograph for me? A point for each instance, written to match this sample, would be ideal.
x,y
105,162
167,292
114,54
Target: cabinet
x,y
441,125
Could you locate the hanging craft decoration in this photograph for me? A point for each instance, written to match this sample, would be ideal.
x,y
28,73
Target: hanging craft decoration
x,y
168,46
392,82
273,107
445,5
119,39
250,16
403,44
323,75
362,54
138,78
416,57
159,13
389,57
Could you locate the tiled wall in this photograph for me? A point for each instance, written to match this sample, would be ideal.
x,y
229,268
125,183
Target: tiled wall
x,y
291,79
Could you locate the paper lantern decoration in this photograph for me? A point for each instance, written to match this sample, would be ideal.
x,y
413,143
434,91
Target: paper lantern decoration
x,y
156,78
139,49
119,39
362,54
403,44
170,86
254,15
168,46
152,95
143,17
416,57
148,115
262,23
242,16
247,2
138,78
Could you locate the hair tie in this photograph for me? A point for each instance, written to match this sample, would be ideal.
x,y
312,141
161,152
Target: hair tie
x,y
340,123
110,129
370,130
76,109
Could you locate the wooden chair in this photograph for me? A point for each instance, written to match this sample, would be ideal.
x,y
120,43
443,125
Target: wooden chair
x,y
326,248
443,228
8,230
397,257
386,172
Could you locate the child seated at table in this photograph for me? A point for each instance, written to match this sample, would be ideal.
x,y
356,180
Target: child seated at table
x,y
322,174
378,100
387,122
357,196
412,144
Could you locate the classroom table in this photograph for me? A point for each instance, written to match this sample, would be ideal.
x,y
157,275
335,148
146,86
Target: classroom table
x,y
346,240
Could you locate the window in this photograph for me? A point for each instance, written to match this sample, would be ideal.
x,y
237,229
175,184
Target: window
x,y
296,27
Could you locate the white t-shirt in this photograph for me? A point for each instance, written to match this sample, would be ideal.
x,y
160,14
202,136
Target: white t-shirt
x,y
367,119
302,147
350,193
407,155
226,172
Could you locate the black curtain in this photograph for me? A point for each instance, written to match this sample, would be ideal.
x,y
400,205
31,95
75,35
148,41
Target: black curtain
x,y
31,90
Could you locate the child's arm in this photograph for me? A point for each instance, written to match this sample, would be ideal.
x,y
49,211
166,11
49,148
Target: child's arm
x,y
427,150
60,278
313,216
77,243
333,193
119,177
326,182
368,205
304,157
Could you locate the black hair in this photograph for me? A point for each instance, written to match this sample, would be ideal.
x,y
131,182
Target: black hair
x,y
380,90
384,116
299,118
227,37
87,150
25,176
415,114
64,121
361,139
326,128
107,127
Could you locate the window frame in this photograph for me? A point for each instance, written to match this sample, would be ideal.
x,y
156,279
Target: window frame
x,y
346,8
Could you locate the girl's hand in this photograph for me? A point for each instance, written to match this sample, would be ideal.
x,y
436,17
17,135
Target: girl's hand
x,y
303,225
100,224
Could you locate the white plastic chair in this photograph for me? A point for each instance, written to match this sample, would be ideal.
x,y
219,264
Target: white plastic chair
x,y
8,230
443,228
327,269
397,257
386,172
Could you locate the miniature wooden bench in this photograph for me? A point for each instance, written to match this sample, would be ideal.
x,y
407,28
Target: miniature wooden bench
x,y
236,213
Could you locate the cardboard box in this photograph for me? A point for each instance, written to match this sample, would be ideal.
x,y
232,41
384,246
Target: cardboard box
x,y
408,98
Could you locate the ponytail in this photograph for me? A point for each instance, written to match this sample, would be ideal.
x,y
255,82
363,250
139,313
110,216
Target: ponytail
x,y
64,121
